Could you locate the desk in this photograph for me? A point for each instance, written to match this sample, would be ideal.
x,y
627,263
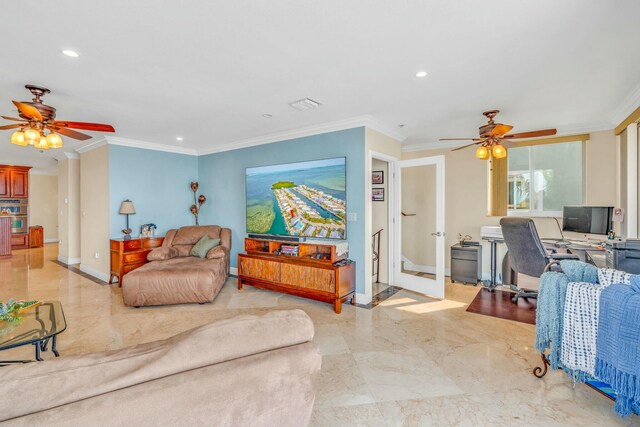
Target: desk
x,y
575,247
597,258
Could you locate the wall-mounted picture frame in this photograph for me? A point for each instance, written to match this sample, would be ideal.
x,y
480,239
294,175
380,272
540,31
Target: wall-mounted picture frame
x,y
377,194
377,177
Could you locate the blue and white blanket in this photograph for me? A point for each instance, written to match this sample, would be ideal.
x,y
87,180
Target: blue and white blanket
x,y
580,323
551,305
578,353
618,343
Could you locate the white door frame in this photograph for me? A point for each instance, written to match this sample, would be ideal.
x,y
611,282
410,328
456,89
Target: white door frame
x,y
392,161
422,285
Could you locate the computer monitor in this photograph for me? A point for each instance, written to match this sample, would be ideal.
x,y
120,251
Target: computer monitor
x,y
587,219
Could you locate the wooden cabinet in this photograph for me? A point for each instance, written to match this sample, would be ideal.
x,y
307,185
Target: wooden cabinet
x,y
127,255
20,241
19,183
14,184
5,185
14,181
315,271
36,236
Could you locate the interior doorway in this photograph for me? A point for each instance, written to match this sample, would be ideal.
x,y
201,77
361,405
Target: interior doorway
x,y
380,225
380,231
419,231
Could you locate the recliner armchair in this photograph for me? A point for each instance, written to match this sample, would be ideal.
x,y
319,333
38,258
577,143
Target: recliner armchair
x,y
527,254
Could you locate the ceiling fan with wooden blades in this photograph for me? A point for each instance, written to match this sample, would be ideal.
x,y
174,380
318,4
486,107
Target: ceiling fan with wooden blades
x,y
494,135
37,118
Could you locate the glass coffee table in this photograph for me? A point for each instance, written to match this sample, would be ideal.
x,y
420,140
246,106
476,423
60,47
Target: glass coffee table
x,y
37,327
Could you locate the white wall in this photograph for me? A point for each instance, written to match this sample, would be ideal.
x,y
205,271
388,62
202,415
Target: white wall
x,y
94,212
43,204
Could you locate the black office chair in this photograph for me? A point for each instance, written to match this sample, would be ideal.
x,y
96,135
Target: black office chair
x,y
526,253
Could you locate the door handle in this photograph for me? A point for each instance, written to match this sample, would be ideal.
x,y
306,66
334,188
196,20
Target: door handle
x,y
437,234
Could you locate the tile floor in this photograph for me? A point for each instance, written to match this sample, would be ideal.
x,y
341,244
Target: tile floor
x,y
409,361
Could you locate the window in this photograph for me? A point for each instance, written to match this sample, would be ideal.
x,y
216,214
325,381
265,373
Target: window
x,y
544,178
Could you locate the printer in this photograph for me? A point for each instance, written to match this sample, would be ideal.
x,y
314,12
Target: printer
x,y
490,232
624,255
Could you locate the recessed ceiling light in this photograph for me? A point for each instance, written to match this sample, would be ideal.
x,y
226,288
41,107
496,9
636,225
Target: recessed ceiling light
x,y
179,138
421,74
267,116
70,53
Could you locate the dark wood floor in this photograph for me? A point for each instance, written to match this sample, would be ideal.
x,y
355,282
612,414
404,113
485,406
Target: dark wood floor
x,y
498,304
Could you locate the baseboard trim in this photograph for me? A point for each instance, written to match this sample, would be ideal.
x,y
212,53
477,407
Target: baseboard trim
x,y
233,270
95,273
51,240
68,261
363,299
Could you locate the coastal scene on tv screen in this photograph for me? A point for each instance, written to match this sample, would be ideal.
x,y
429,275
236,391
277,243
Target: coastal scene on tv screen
x,y
298,199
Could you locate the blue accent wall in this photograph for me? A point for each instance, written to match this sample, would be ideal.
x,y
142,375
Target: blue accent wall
x,y
158,184
222,178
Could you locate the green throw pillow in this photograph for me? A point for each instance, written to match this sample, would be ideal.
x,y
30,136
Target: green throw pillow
x,y
203,246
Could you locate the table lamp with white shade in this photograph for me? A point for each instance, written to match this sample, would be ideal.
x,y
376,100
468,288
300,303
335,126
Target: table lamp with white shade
x,y
126,208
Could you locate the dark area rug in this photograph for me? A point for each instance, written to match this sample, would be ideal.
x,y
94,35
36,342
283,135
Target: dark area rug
x,y
499,304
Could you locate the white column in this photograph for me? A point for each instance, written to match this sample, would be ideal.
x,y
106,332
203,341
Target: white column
x,y
69,209
631,216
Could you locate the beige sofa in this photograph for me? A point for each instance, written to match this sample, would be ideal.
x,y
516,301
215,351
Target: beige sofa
x,y
245,371
174,277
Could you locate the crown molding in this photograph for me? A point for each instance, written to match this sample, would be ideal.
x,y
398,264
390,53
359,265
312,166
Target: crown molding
x,y
598,127
71,155
134,143
96,143
338,125
355,122
145,145
628,105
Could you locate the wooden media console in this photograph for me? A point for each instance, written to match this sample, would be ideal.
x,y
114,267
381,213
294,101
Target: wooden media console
x,y
304,269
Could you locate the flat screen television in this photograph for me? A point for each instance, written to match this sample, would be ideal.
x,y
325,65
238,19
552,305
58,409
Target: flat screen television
x,y
587,219
298,199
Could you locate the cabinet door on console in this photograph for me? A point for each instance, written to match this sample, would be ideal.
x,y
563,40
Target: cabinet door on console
x,y
320,279
260,269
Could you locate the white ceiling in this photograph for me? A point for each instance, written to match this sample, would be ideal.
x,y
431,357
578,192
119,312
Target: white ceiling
x,y
207,71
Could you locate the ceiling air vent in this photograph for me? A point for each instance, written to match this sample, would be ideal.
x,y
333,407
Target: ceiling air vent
x,y
305,104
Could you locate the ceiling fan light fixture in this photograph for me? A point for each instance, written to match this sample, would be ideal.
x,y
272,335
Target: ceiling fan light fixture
x,y
54,140
499,152
482,152
17,138
42,144
32,135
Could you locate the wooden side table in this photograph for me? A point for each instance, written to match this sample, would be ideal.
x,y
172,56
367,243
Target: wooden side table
x,y
127,255
36,236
